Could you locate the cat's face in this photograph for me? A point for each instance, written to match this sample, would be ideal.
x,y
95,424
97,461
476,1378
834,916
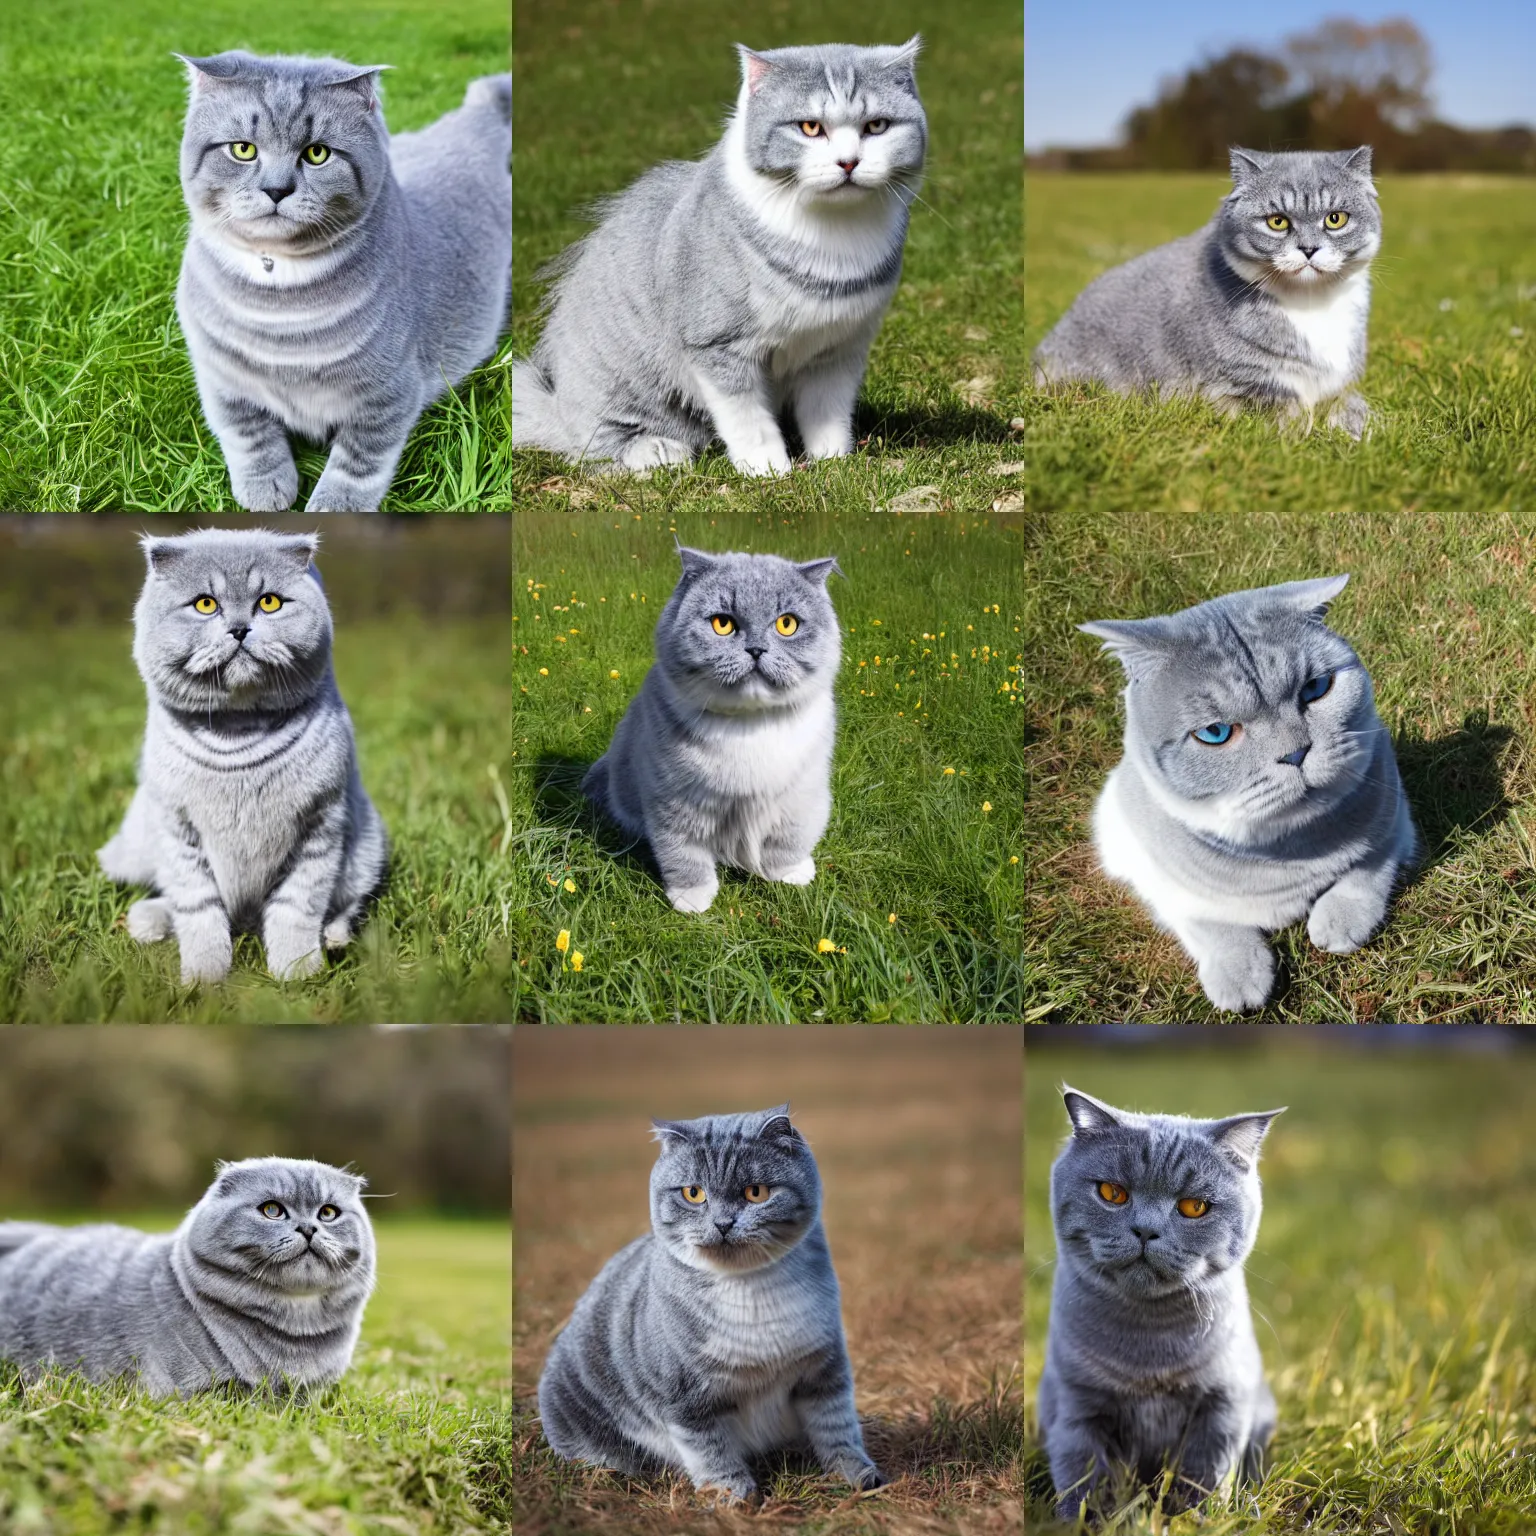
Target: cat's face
x,y
1147,1205
287,1225
1299,222
838,123
746,633
232,619
732,1193
1246,709
281,154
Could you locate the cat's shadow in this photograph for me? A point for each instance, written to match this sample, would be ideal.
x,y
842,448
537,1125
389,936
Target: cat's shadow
x,y
559,802
948,424
1455,784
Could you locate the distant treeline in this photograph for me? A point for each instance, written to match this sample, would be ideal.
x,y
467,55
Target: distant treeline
x,y
123,1118
1344,85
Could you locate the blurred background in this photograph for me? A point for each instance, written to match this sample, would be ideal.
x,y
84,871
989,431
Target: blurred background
x,y
1445,85
114,1119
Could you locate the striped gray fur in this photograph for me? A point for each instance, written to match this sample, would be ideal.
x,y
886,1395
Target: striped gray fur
x,y
334,302
1150,1359
250,812
1298,813
718,1336
715,295
1240,313
263,1284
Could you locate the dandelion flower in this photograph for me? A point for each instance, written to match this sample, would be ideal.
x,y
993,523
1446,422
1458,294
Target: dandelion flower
x,y
563,940
543,671
614,674
825,947
576,958
891,918
1013,858
570,885
986,805
551,879
949,771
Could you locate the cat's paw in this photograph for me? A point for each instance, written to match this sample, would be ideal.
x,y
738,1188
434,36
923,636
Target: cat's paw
x,y
653,453
1239,979
337,933
344,498
829,442
796,874
271,491
293,950
733,1493
205,961
149,920
693,898
861,1473
769,459
1350,414
1343,920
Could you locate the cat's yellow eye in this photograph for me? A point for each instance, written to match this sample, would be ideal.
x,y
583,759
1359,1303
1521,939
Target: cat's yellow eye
x,y
205,604
328,1213
272,1210
269,602
786,623
243,152
811,130
877,125
1116,1194
1192,1208
1278,222
756,1193
1336,220
693,1194
315,154
723,624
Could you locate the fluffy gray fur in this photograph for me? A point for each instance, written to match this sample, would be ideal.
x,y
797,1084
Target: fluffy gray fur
x,y
1238,312
250,813
718,1336
1300,813
715,294
725,754
1151,1359
335,301
263,1284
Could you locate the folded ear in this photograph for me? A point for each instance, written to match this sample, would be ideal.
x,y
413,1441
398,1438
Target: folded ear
x,y
820,570
1089,1116
1311,597
777,1126
1246,164
671,1131
1357,160
754,67
362,82
1138,645
695,561
300,548
209,71
161,554
1242,1135
905,57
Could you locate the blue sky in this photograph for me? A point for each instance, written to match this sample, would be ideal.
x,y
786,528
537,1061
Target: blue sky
x,y
1088,62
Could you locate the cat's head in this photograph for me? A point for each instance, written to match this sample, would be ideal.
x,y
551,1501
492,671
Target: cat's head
x,y
834,124
232,619
742,634
1247,711
733,1193
281,154
1295,222
1148,1205
285,1225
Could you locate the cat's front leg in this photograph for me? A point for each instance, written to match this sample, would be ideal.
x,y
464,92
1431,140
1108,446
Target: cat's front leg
x,y
295,909
262,474
1079,1465
687,869
1346,915
712,1460
746,425
824,402
363,458
823,1398
1212,1452
1236,964
1350,414
197,911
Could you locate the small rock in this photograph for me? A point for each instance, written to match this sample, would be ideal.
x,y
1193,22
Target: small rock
x,y
921,498
1010,467
1009,501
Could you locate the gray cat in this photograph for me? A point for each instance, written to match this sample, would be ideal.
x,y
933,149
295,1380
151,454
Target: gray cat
x,y
1258,785
1266,305
249,812
263,1284
725,754
715,294
718,1336
335,281
1151,1359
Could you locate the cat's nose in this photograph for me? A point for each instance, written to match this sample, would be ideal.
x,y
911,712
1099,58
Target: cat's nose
x,y
848,167
277,194
724,1224
1295,758
755,651
240,631
1145,1234
306,1229
1309,251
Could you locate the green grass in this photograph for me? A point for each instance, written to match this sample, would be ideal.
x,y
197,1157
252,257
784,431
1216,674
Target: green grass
x,y
1392,1286
414,1439
947,372
1450,377
925,595
98,409
1439,609
429,706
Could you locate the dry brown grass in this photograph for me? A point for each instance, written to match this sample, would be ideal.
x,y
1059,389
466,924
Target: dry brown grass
x,y
918,1136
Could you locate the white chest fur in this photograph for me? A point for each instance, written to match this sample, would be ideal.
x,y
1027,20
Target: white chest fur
x,y
1330,326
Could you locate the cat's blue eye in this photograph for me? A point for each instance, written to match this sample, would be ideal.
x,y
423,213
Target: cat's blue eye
x,y
1315,687
272,1210
328,1213
1217,734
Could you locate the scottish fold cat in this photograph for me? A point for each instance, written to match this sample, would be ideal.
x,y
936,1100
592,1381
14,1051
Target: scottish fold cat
x,y
1267,305
336,281
714,295
250,812
725,754
1151,1360
718,1336
1258,784
263,1284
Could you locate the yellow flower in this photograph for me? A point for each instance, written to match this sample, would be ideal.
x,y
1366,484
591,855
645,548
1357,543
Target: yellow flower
x,y
825,947
614,674
949,770
986,805
563,940
551,879
570,884
576,960
1014,859
543,671
891,918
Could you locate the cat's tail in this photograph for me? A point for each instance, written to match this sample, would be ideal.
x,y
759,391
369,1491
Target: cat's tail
x,y
494,91
595,784
536,419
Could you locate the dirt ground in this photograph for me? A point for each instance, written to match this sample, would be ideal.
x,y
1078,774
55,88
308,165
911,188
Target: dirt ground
x,y
917,1132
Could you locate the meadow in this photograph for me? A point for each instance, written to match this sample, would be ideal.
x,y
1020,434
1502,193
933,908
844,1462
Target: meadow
x,y
1451,376
916,909
916,1136
415,1438
1392,1289
98,410
435,946
1440,610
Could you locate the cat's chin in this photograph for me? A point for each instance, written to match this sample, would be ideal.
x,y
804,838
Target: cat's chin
x,y
733,1258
